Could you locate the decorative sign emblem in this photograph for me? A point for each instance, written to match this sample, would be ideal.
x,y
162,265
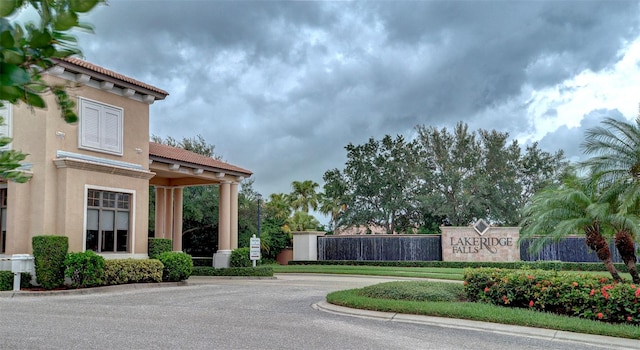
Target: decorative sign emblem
x,y
481,227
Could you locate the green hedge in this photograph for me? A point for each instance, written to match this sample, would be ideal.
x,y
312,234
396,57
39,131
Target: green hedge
x,y
580,295
6,280
260,271
240,258
178,266
158,246
542,265
123,271
85,269
49,253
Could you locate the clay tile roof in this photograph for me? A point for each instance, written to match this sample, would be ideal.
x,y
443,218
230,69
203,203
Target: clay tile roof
x,y
109,73
179,154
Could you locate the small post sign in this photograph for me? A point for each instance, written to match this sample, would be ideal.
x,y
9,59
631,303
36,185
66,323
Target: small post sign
x,y
254,249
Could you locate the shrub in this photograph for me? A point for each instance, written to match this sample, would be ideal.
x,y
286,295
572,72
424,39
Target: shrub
x,y
415,291
123,271
84,269
178,266
158,246
6,280
240,258
260,271
200,261
49,253
586,296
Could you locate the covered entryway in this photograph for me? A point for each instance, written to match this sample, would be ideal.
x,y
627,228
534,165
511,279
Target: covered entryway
x,y
175,169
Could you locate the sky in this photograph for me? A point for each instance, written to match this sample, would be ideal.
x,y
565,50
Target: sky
x,y
281,87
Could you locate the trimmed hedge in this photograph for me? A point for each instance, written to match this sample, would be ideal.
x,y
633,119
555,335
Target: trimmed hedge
x,y
85,269
240,257
157,246
260,271
542,265
579,295
6,280
123,271
415,291
178,266
49,253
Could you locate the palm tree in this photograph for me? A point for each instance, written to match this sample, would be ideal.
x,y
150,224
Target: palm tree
x,y
278,207
304,195
615,166
571,208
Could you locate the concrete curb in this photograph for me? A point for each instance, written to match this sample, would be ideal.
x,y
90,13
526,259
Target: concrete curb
x,y
548,334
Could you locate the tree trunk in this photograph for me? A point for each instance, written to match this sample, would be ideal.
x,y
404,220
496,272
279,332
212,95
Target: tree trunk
x,y
627,250
596,242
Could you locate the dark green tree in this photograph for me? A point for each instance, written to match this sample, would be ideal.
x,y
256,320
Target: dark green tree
x,y
26,50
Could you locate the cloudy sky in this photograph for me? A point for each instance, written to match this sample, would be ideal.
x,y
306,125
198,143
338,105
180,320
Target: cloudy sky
x,y
281,87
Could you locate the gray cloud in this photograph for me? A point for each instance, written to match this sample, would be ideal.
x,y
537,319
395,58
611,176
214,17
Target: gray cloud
x,y
281,87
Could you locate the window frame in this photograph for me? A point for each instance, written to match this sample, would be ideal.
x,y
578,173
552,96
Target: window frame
x,y
130,240
102,132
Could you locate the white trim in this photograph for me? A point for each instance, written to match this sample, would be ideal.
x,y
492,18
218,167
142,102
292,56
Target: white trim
x,y
132,217
120,131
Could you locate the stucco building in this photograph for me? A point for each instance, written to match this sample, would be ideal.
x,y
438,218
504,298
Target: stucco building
x,y
90,180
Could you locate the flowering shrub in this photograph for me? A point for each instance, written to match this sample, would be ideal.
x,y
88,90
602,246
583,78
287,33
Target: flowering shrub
x,y
586,296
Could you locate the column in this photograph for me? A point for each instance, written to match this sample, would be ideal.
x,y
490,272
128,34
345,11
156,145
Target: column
x,y
168,213
224,219
234,215
177,219
221,257
160,212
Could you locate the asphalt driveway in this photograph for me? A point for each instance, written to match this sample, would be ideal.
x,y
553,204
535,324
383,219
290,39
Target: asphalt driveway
x,y
232,314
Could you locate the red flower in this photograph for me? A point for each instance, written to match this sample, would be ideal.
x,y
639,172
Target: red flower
x,y
486,289
629,318
600,315
465,283
593,291
530,277
531,303
575,284
638,293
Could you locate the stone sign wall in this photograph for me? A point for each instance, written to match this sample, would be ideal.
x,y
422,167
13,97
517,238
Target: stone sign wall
x,y
482,243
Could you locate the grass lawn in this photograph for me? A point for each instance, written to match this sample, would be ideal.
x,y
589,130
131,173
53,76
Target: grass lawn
x,y
458,309
355,298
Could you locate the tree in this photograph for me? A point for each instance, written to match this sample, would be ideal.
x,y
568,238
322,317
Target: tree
x,y
304,195
615,167
378,183
301,221
333,200
469,175
27,51
571,208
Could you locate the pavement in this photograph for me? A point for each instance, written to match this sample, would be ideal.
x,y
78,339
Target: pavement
x,y
333,282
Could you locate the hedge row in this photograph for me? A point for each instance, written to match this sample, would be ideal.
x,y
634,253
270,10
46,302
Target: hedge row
x,y
6,280
260,271
580,295
542,265
123,271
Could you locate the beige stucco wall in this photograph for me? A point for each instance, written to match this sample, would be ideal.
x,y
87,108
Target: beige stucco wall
x,y
52,202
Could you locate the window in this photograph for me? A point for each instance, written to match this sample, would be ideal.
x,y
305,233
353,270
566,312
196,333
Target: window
x,y
107,221
100,127
3,220
5,128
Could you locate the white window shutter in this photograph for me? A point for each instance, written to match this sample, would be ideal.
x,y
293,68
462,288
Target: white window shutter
x,y
90,129
6,127
112,129
101,127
